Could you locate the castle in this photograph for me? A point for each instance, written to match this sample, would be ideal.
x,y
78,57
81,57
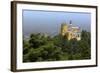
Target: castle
x,y
70,32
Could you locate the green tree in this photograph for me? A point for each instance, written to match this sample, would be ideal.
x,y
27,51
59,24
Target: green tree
x,y
46,48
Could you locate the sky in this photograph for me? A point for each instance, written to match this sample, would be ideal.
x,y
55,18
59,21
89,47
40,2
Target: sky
x,y
49,22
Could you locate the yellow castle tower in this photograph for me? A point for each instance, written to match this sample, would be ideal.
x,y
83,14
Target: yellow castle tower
x,y
64,29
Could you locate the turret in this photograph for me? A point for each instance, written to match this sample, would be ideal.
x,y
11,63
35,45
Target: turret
x,y
64,29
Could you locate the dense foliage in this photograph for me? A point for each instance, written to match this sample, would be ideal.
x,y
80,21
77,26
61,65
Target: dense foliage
x,y
40,47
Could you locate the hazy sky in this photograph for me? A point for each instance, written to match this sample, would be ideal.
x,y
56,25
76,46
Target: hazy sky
x,y
50,22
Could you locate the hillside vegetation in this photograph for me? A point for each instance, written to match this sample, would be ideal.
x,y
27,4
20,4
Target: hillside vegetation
x,y
46,48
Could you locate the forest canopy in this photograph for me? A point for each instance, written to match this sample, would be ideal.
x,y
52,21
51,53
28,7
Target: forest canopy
x,y
40,47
